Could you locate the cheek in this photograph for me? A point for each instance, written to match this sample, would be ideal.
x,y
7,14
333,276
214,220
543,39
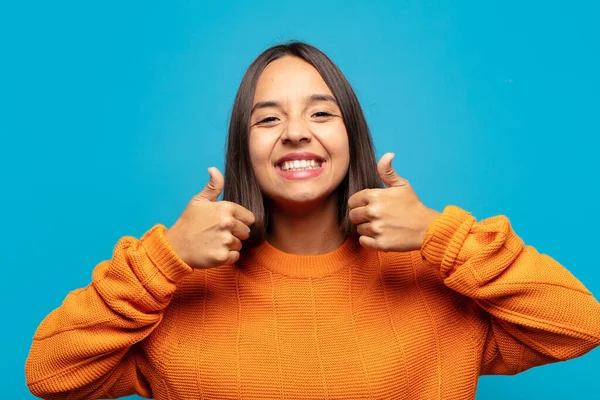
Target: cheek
x,y
336,142
259,149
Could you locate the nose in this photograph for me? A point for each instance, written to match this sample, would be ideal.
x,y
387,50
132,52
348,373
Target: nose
x,y
296,131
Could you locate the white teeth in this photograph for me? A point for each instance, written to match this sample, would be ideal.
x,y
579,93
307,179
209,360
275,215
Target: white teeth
x,y
300,165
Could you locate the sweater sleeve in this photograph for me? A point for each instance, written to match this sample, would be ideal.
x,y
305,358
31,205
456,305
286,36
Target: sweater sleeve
x,y
538,311
86,348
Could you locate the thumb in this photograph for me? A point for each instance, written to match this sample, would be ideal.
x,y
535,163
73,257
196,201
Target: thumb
x,y
214,187
387,173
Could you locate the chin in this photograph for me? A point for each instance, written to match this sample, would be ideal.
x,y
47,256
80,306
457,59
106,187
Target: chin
x,y
306,201
301,201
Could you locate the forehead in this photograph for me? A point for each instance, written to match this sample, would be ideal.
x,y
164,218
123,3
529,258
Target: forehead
x,y
289,77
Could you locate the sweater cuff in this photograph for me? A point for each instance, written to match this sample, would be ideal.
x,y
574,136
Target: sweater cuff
x,y
445,237
162,254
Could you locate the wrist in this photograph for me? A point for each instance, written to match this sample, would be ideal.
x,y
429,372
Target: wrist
x,y
163,255
174,245
429,216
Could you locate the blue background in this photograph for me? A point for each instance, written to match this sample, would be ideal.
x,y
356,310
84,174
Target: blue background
x,y
110,113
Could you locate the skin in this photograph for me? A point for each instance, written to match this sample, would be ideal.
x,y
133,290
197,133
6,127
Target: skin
x,y
303,212
209,233
393,218
288,118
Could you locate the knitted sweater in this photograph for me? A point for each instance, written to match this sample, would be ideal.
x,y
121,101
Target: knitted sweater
x,y
350,324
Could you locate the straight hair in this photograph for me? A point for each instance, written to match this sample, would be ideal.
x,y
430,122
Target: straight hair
x,y
241,186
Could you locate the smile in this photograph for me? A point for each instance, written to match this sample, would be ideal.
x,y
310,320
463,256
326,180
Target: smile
x,y
299,165
300,169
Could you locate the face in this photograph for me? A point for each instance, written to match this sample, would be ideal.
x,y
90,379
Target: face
x,y
298,141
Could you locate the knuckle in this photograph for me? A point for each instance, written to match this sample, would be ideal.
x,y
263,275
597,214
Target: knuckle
x,y
377,228
360,229
352,215
196,198
211,186
373,212
233,256
227,222
226,206
379,243
228,239
222,255
364,240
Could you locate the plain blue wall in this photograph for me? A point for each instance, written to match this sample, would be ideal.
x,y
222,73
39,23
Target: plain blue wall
x,y
111,112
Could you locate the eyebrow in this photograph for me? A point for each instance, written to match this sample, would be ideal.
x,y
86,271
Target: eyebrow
x,y
309,99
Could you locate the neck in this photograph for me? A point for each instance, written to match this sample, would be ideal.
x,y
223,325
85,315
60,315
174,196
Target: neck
x,y
311,229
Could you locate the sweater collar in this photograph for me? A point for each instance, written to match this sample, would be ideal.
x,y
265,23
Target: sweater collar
x,y
301,265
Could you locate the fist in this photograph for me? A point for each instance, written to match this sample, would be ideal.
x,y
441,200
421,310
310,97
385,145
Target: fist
x,y
209,233
393,218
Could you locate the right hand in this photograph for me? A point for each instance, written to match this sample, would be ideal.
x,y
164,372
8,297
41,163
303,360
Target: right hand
x,y
210,233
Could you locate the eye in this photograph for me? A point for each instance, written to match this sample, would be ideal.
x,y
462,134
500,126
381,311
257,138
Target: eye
x,y
322,114
267,120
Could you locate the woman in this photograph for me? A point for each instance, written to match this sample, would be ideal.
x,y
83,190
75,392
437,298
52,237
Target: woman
x,y
310,279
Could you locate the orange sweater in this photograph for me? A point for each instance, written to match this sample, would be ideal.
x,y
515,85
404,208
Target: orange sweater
x,y
350,324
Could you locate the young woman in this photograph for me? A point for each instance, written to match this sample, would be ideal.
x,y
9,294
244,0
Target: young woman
x,y
310,279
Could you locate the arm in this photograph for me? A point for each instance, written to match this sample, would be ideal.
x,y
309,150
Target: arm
x,y
538,311
86,348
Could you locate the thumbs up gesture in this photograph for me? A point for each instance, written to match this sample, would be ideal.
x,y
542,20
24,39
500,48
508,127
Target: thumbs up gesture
x,y
209,233
390,219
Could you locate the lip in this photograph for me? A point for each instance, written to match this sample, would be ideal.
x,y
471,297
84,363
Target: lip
x,y
299,155
300,175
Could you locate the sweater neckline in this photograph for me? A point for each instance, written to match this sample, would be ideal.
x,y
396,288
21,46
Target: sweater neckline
x,y
305,265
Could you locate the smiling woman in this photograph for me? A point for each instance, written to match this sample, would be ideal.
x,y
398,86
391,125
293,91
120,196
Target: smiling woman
x,y
300,102
310,279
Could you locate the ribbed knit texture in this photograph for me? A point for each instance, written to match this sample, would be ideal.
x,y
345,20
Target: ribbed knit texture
x,y
350,324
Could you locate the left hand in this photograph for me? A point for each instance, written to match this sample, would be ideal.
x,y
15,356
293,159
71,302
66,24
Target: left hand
x,y
393,218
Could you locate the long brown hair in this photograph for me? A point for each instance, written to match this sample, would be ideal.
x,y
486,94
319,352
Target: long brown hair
x,y
241,185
